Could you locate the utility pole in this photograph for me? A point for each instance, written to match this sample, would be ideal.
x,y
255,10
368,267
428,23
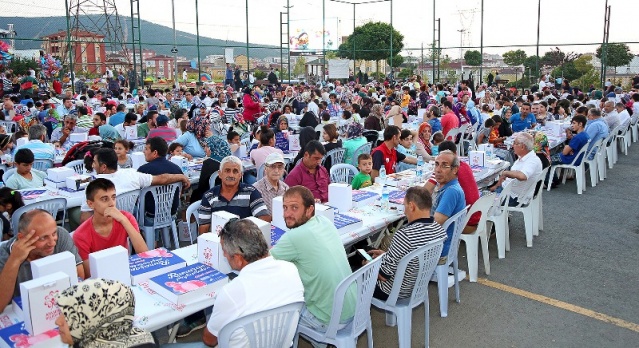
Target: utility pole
x,y
421,63
538,27
434,30
197,31
248,59
604,45
69,47
481,44
461,43
174,50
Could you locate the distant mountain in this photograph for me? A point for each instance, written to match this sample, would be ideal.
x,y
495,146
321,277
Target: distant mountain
x,y
154,36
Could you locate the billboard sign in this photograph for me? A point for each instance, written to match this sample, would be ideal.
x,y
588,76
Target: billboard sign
x,y
306,36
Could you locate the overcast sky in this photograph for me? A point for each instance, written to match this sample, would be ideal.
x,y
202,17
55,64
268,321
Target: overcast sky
x,y
505,22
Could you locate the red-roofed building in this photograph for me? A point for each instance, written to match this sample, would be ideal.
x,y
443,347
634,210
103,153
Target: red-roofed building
x,y
89,53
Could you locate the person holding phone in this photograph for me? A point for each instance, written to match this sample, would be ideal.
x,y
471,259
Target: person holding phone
x,y
420,230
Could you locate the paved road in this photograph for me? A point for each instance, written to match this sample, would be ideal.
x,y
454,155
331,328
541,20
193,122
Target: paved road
x,y
586,257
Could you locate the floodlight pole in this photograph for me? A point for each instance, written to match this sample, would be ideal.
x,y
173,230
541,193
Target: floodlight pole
x,y
248,60
391,40
197,31
481,65
538,26
69,47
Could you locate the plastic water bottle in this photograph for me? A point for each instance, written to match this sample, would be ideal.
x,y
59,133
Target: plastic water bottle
x,y
420,168
382,175
385,194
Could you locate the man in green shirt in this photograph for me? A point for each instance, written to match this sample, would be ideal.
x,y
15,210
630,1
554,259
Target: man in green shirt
x,y
314,246
145,128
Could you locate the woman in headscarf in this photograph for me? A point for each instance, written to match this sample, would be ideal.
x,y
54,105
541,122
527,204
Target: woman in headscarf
x,y
373,120
394,114
99,313
109,133
504,129
423,145
354,140
306,135
220,148
193,141
281,133
309,120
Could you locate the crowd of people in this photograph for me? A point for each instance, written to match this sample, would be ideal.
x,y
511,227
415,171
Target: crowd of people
x,y
212,123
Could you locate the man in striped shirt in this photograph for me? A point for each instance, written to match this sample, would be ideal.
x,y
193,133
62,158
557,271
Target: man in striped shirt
x,y
232,196
420,230
41,151
162,129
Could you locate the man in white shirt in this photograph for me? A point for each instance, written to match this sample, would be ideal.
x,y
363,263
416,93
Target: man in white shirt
x,y
105,164
264,283
622,113
524,171
611,115
130,119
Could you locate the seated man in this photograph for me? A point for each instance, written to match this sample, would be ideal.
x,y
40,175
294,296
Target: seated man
x,y
524,171
271,185
420,230
264,282
386,154
130,119
466,181
99,119
25,176
449,196
524,119
310,173
63,134
38,236
37,136
315,247
232,196
108,227
575,143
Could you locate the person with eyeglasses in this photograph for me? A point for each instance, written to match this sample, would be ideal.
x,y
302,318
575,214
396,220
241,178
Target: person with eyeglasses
x,y
448,195
38,236
271,185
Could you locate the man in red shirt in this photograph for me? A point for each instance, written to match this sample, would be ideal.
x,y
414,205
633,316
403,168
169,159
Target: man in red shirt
x,y
466,181
386,154
449,120
108,227
310,173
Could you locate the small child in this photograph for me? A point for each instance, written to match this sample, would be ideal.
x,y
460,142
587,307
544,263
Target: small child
x,y
10,201
363,178
25,177
406,147
438,138
122,148
175,149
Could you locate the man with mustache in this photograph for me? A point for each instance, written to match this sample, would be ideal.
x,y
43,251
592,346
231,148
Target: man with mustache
x,y
232,196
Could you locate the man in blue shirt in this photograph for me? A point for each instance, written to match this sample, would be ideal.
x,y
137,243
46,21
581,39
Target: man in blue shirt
x,y
576,142
37,136
596,128
448,197
118,117
228,77
524,119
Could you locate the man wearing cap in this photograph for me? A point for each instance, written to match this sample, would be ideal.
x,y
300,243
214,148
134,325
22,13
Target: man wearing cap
x,y
162,129
271,185
145,128
63,133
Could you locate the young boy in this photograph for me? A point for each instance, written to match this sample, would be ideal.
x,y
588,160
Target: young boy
x,y
108,227
363,178
25,177
438,138
175,149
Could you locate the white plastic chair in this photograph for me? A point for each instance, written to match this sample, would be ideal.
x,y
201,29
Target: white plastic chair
x,y
366,148
343,173
537,202
611,147
498,216
481,234
163,196
273,328
260,171
441,271
138,147
399,311
52,205
580,170
623,138
336,156
128,201
7,174
9,126
527,207
212,179
42,164
601,160
77,166
365,278
593,164
634,127
191,211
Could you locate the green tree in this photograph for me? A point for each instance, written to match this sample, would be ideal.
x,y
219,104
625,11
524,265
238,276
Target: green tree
x,y
259,74
473,57
21,66
372,42
397,61
405,73
617,54
513,58
300,67
530,64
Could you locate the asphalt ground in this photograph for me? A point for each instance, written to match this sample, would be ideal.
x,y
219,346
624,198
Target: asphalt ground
x,y
576,287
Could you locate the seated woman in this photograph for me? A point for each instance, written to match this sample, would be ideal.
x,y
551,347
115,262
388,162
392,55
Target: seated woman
x,y
267,147
99,313
219,149
281,133
194,139
331,137
25,176
354,140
